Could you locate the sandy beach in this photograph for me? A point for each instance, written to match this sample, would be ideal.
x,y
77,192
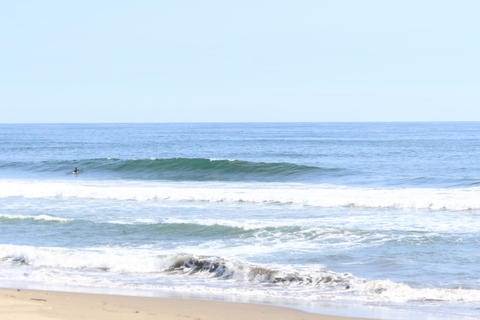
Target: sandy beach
x,y
16,304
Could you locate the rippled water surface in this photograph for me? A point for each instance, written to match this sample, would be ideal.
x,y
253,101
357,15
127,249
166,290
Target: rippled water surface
x,y
373,219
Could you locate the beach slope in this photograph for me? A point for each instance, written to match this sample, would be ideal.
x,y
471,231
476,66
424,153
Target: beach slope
x,y
42,305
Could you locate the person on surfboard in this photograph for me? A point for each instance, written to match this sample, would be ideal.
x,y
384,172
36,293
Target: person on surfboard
x,y
76,171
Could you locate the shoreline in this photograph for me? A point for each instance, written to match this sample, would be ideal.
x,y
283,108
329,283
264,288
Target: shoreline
x,y
20,304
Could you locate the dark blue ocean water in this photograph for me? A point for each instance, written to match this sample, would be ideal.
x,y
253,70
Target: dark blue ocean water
x,y
383,218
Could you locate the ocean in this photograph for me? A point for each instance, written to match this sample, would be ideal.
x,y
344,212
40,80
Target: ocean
x,y
365,219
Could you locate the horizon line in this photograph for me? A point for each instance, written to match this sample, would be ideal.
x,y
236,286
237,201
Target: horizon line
x,y
243,122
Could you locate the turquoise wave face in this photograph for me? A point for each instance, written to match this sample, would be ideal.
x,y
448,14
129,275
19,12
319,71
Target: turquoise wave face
x,y
361,154
120,233
177,169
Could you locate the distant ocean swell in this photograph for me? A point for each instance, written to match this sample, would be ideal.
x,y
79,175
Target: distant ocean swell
x,y
176,169
313,283
267,193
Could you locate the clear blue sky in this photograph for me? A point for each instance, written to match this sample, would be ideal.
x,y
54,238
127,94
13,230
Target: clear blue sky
x,y
161,61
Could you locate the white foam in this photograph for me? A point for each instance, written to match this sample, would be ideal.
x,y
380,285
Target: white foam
x,y
222,159
386,290
303,194
42,217
147,269
115,260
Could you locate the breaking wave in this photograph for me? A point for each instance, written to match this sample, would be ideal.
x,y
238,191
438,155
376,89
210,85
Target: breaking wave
x,y
40,217
315,282
177,169
268,193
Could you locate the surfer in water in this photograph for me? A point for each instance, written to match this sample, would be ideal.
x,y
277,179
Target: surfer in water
x,y
75,171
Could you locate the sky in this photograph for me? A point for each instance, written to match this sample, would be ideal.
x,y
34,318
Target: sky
x,y
229,61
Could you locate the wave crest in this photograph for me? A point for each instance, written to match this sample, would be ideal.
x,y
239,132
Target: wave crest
x,y
177,169
299,194
40,218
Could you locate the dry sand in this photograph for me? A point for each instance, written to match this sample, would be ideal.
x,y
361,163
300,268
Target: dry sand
x,y
42,305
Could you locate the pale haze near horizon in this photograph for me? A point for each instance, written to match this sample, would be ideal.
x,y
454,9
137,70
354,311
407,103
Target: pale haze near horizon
x,y
188,61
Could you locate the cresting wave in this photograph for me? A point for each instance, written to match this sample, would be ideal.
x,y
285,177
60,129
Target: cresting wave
x,y
295,233
299,194
40,217
176,169
314,283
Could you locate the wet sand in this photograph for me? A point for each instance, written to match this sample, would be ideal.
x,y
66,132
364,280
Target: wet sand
x,y
22,304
